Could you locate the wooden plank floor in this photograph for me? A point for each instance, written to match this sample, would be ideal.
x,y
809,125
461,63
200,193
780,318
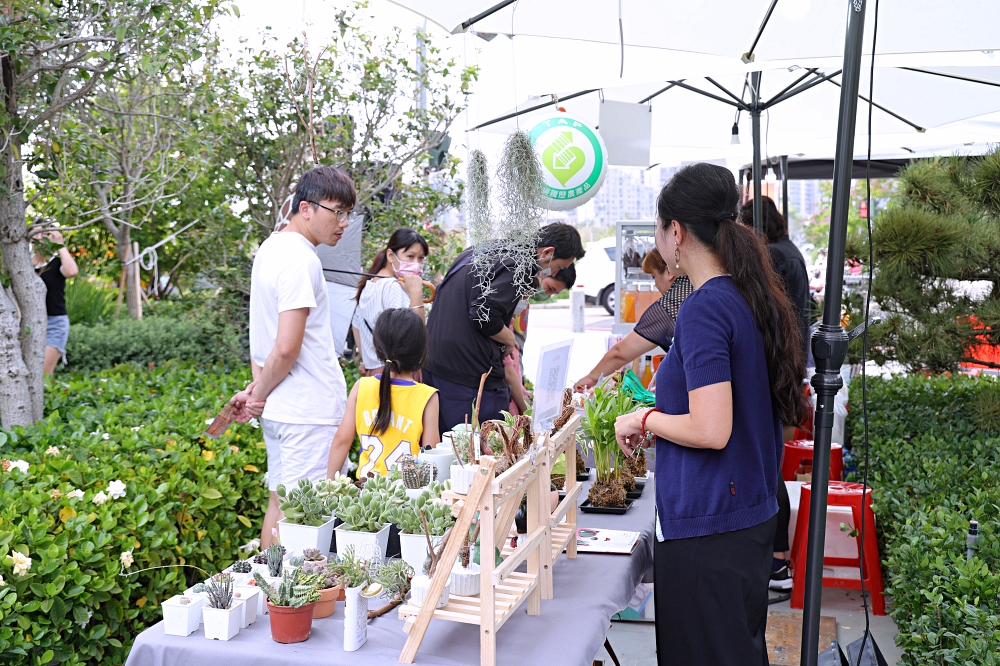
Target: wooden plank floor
x,y
784,637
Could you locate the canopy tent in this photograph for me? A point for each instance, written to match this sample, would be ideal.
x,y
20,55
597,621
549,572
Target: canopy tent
x,y
605,43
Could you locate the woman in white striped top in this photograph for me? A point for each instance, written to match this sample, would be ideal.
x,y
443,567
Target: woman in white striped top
x,y
400,285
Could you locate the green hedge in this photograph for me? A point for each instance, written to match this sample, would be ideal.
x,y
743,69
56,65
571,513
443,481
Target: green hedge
x,y
935,465
150,340
187,501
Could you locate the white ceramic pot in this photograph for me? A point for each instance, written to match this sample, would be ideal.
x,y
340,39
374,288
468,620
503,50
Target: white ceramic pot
x,y
419,586
355,617
462,477
262,568
259,600
273,581
413,549
238,578
182,614
365,543
442,458
465,582
414,493
251,599
296,538
222,623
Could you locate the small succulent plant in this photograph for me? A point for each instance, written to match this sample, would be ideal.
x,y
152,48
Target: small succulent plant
x,y
368,511
351,569
330,490
408,517
302,505
275,554
260,558
415,473
313,555
296,589
327,576
199,588
296,561
220,591
242,567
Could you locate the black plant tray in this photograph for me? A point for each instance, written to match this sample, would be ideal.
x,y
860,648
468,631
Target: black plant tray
x,y
583,477
640,481
586,507
635,494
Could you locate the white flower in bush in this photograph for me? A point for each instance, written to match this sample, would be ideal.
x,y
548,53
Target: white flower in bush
x,y
2,582
254,423
76,493
19,464
52,451
209,421
100,498
83,623
116,489
250,546
21,563
126,559
136,428
106,436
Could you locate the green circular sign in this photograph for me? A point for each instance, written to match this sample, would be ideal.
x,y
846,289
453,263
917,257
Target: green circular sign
x,y
574,160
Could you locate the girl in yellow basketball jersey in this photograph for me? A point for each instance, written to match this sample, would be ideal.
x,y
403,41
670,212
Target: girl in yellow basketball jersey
x,y
390,413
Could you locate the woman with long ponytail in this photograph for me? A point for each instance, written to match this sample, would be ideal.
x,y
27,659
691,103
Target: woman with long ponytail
x,y
731,378
390,412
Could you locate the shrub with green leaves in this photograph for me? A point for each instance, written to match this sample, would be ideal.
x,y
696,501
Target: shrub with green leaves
x,y
934,466
119,479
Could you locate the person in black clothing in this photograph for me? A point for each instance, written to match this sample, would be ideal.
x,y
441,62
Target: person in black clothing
x,y
467,327
54,273
791,266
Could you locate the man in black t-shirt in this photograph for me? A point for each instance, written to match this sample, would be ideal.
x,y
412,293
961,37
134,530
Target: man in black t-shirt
x,y
467,327
54,274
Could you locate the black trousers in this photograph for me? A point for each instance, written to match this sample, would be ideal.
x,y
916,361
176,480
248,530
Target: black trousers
x,y
784,515
711,598
455,402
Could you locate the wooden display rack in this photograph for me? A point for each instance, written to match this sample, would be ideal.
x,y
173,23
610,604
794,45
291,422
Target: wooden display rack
x,y
502,590
562,535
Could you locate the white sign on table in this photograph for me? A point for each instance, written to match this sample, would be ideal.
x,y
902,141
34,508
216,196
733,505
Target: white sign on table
x,y
553,367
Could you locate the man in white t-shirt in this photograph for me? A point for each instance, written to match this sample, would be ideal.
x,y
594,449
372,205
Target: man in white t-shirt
x,y
298,388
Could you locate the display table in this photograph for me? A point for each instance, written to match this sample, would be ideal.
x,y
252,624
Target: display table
x,y
570,630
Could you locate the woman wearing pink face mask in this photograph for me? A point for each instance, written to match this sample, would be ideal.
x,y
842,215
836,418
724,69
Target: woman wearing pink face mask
x,y
399,285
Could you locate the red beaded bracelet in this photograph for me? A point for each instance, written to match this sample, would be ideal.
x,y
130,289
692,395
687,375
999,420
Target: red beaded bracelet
x,y
646,434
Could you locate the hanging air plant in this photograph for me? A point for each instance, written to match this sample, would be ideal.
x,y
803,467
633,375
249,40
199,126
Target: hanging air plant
x,y
510,238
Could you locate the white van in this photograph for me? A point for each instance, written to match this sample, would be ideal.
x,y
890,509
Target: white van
x,y
596,273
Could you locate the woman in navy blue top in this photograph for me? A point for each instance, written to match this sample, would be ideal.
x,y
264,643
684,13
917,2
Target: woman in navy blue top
x,y
731,378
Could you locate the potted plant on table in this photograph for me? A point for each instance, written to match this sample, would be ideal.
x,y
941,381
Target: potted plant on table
x,y
414,544
365,518
357,575
331,589
416,474
290,603
222,615
182,614
308,521
610,484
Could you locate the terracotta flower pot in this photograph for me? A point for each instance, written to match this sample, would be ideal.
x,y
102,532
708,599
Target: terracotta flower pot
x,y
327,603
291,625
343,595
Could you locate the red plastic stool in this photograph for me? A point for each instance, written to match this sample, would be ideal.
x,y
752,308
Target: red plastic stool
x,y
839,571
800,450
805,429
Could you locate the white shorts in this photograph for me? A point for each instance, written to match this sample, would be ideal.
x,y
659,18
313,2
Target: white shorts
x,y
296,451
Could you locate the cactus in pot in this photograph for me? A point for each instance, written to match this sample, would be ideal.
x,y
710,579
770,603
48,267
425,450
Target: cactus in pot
x,y
220,591
415,473
295,589
275,555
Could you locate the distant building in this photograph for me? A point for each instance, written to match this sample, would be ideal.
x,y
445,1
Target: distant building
x,y
804,197
627,194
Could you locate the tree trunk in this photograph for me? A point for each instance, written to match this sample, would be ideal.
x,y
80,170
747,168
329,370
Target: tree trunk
x,y
21,382
132,296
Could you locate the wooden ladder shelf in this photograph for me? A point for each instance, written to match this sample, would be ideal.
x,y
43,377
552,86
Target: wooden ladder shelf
x,y
502,590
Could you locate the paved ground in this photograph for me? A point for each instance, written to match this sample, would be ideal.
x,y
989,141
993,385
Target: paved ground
x,y
635,642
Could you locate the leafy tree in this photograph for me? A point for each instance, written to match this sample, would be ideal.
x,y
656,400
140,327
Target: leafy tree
x,y
939,233
53,54
348,99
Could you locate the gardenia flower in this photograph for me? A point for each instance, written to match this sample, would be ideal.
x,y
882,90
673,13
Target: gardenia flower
x,y
83,623
116,489
136,428
2,581
100,498
106,436
126,559
250,546
254,423
76,493
20,464
52,451
21,563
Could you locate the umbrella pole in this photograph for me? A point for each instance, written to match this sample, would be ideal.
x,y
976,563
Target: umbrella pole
x,y
829,344
784,187
758,203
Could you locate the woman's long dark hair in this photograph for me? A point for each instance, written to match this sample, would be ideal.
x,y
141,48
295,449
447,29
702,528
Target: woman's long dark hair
x,y
401,344
398,241
703,198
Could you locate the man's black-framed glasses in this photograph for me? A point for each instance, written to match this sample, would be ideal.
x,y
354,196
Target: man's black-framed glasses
x,y
341,215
